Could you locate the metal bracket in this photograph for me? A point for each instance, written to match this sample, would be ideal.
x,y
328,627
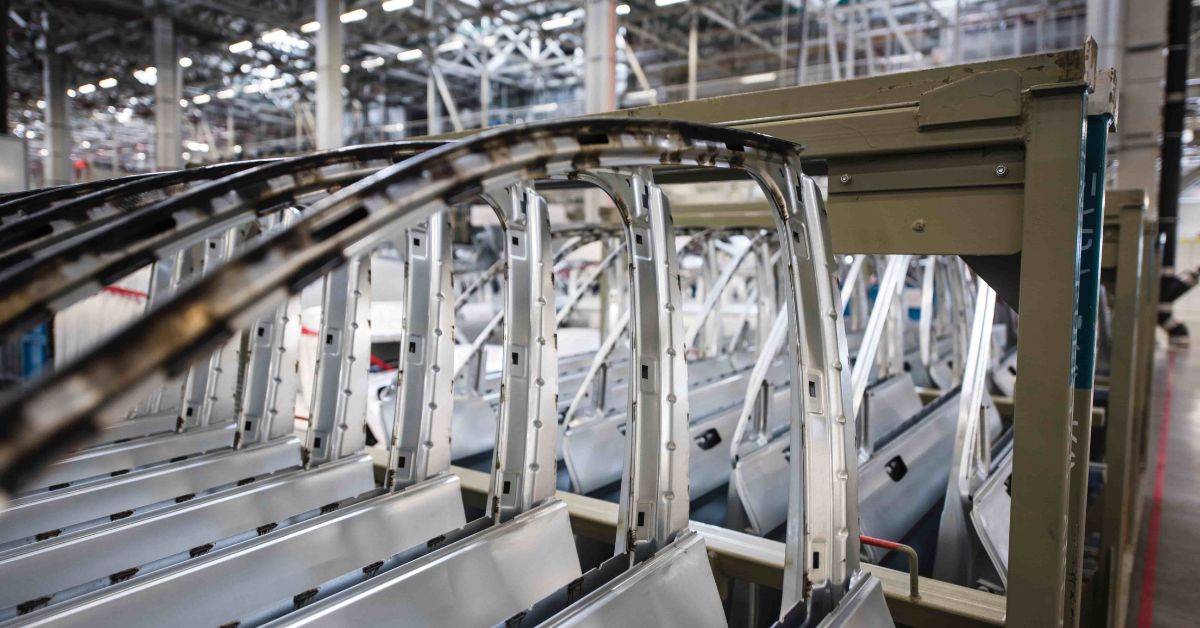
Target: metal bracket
x,y
527,431
339,405
420,446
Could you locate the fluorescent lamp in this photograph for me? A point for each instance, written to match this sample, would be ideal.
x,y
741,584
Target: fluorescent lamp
x,y
645,94
241,46
396,5
185,62
87,89
765,77
622,9
251,89
451,46
544,108
561,21
70,93
202,99
308,77
225,94
108,82
667,3
372,63
183,103
196,147
310,27
410,55
356,15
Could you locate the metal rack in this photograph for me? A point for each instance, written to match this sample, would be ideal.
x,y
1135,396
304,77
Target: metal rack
x,y
985,161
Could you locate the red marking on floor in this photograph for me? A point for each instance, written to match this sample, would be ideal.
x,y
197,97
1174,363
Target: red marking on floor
x,y
1146,602
126,292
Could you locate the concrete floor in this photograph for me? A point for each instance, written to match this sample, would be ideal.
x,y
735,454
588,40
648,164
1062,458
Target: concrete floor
x,y
1168,594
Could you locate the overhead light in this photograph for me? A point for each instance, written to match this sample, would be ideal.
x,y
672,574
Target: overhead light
x,y
396,5
106,83
186,156
85,144
645,94
273,36
87,89
70,93
667,3
41,104
183,103
345,68
196,147
371,64
202,99
356,15
43,152
622,9
308,77
310,27
226,94
509,15
410,55
241,46
237,148
395,127
765,77
451,46
544,108
561,21
30,135
251,89
277,83
185,62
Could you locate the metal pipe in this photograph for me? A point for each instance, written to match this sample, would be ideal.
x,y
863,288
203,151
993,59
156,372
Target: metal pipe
x,y
914,574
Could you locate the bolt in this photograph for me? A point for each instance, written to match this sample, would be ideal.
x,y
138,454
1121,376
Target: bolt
x,y
845,179
918,225
1001,170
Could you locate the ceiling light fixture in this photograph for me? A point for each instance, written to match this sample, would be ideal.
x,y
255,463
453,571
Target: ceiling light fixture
x,y
765,77
241,46
396,5
356,15
561,21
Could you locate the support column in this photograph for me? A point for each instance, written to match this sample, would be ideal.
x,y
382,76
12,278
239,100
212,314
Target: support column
x,y
167,120
693,54
1137,143
600,44
433,105
58,126
1046,351
329,75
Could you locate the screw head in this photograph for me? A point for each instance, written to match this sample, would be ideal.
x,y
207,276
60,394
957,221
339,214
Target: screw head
x,y
918,225
1001,170
845,179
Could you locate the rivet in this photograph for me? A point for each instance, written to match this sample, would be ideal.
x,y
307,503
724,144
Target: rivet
x,y
1001,170
918,225
845,179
